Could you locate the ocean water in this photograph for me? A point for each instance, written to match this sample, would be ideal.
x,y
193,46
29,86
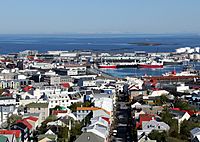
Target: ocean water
x,y
117,43
138,72
98,43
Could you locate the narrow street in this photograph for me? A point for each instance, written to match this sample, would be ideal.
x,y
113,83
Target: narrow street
x,y
123,115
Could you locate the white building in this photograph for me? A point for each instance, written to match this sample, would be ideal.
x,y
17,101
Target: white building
x,y
182,88
64,99
7,107
195,135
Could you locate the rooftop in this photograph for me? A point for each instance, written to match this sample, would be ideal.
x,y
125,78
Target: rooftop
x,y
37,105
15,132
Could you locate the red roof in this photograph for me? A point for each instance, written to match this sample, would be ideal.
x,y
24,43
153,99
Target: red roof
x,y
55,112
65,85
196,87
39,60
174,72
190,112
144,117
27,88
106,119
25,122
175,108
17,133
32,118
155,89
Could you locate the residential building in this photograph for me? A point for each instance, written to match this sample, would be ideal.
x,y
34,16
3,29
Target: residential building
x,y
47,138
3,139
16,133
195,135
89,137
155,125
7,107
42,108
82,112
64,99
11,137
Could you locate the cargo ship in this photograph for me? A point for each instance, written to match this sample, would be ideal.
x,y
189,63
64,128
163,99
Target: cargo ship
x,y
107,66
151,64
127,65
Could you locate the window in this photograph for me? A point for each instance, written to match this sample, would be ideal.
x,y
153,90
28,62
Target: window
x,y
158,127
39,108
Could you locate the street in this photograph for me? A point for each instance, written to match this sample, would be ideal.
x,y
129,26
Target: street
x,y
123,125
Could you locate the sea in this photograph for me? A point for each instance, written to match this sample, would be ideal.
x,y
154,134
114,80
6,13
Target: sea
x,y
112,43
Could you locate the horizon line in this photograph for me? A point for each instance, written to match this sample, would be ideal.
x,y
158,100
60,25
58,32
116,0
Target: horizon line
x,y
99,33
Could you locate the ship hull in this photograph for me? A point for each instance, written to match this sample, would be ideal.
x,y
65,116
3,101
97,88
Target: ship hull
x,y
126,66
108,66
149,66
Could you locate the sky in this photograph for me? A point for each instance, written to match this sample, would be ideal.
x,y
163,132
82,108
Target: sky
x,y
99,16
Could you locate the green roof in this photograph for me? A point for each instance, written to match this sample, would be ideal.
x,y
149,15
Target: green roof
x,y
3,138
37,105
63,108
50,136
31,114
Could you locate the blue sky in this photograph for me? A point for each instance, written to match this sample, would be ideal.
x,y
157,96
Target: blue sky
x,y
99,16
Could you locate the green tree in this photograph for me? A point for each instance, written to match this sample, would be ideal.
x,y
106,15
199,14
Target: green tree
x,y
158,136
57,108
164,99
43,128
74,106
75,131
63,134
182,105
13,118
166,117
51,118
161,100
186,127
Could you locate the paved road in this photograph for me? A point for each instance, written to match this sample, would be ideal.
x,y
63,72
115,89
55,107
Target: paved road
x,y
123,126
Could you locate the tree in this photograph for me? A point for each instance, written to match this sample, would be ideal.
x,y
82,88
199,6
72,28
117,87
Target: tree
x,y
63,134
164,99
57,108
13,118
74,106
186,127
43,128
51,118
166,117
158,136
182,105
75,131
161,100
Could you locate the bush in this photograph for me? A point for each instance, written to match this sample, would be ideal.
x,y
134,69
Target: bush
x,y
158,136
